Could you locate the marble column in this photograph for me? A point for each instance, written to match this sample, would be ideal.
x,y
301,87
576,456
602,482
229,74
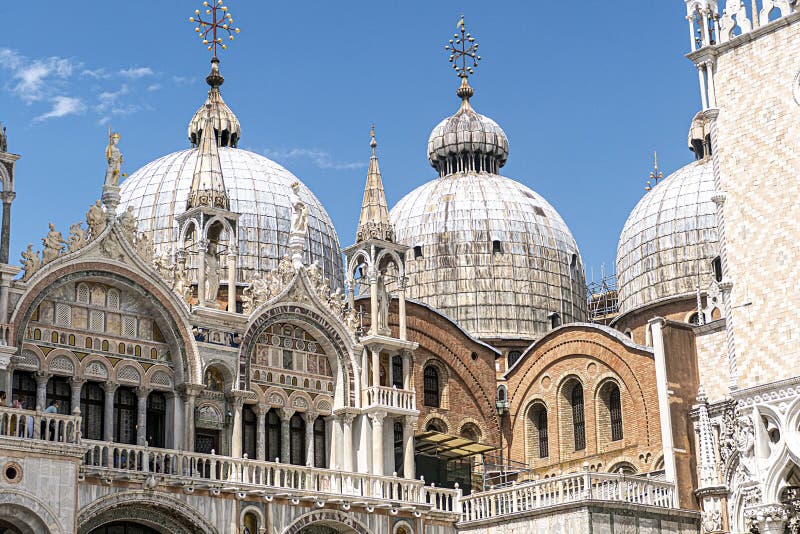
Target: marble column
x,y
373,302
190,396
347,439
285,415
5,283
76,384
141,415
401,308
310,417
376,366
408,448
261,442
5,233
108,412
237,402
232,281
377,442
406,355
201,273
41,389
9,385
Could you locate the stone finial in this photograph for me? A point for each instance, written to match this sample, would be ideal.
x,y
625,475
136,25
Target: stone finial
x,y
3,139
374,220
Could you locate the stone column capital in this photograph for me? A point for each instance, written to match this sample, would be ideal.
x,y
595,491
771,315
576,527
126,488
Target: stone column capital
x,y
377,417
285,413
310,417
262,409
77,381
42,376
143,391
110,387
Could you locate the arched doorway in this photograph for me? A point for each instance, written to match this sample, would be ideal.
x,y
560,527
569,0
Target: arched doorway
x,y
124,527
327,522
320,529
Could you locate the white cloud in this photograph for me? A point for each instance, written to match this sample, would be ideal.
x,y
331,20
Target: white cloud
x,y
32,76
136,72
63,106
154,87
321,158
98,74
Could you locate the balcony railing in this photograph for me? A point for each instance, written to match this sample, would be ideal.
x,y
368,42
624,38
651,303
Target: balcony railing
x,y
390,398
28,424
530,496
220,473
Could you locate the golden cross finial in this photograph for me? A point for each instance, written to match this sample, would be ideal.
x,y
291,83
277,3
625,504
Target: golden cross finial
x,y
463,50
655,175
372,142
221,22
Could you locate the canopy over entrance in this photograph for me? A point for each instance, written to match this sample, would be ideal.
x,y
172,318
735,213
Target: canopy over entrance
x,y
448,446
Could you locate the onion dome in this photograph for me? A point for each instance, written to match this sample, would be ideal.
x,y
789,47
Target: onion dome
x,y
467,140
667,244
226,125
486,250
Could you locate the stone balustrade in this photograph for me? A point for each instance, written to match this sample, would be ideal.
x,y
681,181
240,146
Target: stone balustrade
x,y
267,479
583,486
29,424
390,398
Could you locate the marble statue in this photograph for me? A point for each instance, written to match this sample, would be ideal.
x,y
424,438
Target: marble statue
x,y
53,245
337,301
96,220
114,157
3,140
299,211
212,276
181,286
77,238
745,444
30,262
383,306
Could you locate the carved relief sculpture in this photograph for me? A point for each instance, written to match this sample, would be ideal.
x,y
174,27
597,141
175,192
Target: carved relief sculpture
x,y
78,237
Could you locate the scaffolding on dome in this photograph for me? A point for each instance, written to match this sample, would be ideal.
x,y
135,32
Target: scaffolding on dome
x,y
602,298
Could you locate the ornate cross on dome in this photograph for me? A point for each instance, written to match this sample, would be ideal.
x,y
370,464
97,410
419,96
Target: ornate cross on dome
x,y
463,51
211,31
655,175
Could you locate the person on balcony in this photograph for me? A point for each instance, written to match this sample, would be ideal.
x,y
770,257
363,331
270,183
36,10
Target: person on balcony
x,y
25,421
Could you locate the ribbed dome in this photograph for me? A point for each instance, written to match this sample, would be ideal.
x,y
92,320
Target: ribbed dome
x,y
495,256
667,244
258,189
467,141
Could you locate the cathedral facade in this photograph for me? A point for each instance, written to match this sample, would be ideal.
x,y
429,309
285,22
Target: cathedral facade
x,y
199,355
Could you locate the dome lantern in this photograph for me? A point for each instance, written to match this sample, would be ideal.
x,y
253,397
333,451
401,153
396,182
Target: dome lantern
x,y
226,125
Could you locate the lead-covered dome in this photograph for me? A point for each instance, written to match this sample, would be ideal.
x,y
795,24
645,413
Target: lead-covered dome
x,y
259,190
667,244
486,250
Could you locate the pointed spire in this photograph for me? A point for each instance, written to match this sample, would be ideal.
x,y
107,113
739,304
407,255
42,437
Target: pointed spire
x,y
224,122
208,185
374,221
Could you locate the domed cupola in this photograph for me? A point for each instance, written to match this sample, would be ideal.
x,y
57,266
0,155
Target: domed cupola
x,y
667,245
226,125
467,141
486,250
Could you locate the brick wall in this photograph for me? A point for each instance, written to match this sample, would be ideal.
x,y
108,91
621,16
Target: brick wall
x,y
595,358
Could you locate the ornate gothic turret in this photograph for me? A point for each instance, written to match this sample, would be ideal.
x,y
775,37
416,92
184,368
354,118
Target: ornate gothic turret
x,y
374,220
208,185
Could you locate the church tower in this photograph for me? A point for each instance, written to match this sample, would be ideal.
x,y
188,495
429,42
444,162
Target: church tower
x,y
7,272
376,263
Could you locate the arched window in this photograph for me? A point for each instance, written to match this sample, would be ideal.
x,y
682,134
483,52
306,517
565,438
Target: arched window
x,y
297,440
125,416
615,407
156,419
397,371
538,438
249,425
578,421
58,389
92,408
436,425
513,356
431,386
541,427
320,443
273,435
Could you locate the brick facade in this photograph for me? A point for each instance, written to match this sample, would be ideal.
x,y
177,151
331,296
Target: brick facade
x,y
598,360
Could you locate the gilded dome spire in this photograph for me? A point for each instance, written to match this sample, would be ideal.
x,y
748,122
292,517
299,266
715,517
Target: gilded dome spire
x,y
210,30
374,221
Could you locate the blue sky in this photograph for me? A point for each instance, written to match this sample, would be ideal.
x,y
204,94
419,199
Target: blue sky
x,y
584,97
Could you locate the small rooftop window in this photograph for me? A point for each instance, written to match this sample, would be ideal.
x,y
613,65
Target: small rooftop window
x,y
497,247
417,252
